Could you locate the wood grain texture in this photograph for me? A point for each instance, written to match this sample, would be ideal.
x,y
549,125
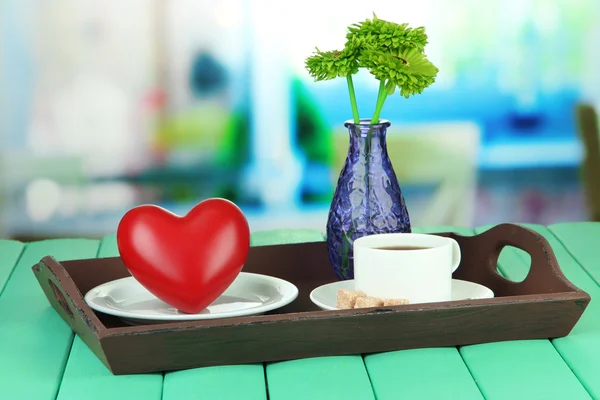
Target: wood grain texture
x,y
85,373
10,251
34,340
504,370
198,345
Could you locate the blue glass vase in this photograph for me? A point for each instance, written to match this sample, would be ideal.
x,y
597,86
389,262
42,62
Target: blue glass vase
x,y
367,200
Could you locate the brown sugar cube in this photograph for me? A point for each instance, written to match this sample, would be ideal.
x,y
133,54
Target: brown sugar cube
x,y
347,298
395,302
363,302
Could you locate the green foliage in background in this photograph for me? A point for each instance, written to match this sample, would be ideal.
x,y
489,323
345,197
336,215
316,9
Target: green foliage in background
x,y
393,53
201,128
312,135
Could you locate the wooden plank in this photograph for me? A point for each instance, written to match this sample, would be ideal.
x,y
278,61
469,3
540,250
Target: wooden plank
x,y
576,248
34,340
520,369
402,371
581,241
10,251
108,247
223,383
84,373
528,369
421,374
285,236
327,378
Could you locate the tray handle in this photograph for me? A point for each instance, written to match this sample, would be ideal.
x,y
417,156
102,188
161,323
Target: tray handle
x,y
544,270
65,298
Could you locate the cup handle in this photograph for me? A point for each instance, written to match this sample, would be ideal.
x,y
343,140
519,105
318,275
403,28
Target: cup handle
x,y
455,254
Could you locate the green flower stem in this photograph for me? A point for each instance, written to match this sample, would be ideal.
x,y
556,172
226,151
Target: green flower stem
x,y
378,97
381,96
353,99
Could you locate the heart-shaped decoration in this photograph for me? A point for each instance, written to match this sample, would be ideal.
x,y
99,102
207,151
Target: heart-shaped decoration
x,y
188,261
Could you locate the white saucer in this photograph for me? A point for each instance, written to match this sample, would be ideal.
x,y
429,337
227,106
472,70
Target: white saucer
x,y
249,294
325,296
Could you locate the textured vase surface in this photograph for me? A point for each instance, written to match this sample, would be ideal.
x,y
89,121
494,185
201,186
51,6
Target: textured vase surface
x,y
367,200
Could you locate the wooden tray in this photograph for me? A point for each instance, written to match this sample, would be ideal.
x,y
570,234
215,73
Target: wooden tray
x,y
544,305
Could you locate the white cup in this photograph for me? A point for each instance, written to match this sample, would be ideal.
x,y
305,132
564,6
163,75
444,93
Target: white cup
x,y
421,274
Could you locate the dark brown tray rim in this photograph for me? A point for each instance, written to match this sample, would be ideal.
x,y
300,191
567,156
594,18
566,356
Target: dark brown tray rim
x,y
68,285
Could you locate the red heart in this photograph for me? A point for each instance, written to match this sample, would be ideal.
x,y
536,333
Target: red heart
x,y
188,261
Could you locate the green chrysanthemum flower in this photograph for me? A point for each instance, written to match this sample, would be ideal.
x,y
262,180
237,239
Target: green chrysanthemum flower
x,y
390,35
393,54
326,65
408,70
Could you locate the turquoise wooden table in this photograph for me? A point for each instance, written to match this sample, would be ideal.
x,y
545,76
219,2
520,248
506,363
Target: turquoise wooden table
x,y
41,359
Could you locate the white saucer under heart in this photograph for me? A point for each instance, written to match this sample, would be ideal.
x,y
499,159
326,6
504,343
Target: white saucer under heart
x,y
249,294
325,296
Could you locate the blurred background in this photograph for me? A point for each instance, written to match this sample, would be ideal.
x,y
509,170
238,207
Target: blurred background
x,y
107,105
